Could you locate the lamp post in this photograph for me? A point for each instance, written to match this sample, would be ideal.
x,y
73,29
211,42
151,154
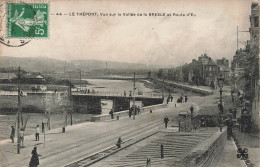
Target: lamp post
x,y
221,108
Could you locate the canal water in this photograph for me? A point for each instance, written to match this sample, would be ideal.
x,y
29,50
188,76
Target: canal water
x,y
57,120
116,87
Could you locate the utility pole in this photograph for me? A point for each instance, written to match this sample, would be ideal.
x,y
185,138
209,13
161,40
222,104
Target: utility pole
x,y
19,112
70,99
65,70
134,99
237,37
80,78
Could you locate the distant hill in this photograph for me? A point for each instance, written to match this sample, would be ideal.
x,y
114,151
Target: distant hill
x,y
47,65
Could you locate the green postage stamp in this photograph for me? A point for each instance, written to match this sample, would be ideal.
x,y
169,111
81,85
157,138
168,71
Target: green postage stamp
x,y
27,20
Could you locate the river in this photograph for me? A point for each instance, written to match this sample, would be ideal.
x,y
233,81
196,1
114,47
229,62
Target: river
x,y
57,120
116,87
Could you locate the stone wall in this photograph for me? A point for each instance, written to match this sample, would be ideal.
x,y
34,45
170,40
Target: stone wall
x,y
207,153
104,117
37,102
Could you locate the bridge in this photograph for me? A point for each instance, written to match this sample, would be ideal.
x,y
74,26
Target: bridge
x,y
91,103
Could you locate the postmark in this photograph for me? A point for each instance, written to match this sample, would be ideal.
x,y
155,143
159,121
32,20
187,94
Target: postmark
x,y
27,20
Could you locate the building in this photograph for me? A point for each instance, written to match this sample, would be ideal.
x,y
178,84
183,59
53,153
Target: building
x,y
254,25
254,51
223,62
35,78
7,77
245,68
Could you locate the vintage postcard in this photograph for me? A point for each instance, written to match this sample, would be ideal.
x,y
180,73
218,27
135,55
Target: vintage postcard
x,y
129,83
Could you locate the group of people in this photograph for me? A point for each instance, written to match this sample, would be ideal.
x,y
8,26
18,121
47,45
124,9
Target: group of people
x,y
34,162
170,98
182,99
21,134
134,110
87,91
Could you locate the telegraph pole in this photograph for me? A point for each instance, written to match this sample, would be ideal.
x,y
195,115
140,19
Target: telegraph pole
x,y
65,70
70,99
237,37
80,78
19,112
134,99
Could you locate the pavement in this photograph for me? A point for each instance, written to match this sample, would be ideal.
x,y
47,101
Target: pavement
x,y
228,157
85,139
251,141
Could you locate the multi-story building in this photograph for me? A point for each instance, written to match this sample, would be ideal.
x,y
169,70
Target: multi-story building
x,y
223,62
254,51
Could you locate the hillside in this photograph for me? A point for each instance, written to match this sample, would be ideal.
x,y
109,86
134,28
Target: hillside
x,y
47,65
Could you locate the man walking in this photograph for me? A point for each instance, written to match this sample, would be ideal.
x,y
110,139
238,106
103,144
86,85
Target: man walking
x,y
138,110
21,135
37,134
191,110
12,134
111,113
119,141
166,120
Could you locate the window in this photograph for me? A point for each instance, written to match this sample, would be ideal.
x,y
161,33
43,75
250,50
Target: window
x,y
256,21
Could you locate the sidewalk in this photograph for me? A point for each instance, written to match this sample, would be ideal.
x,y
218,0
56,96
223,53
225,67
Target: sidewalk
x,y
228,156
250,141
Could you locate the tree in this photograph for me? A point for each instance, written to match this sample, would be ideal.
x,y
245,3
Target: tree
x,y
160,74
149,74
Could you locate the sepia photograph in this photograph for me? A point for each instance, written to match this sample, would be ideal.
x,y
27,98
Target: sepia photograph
x,y
129,83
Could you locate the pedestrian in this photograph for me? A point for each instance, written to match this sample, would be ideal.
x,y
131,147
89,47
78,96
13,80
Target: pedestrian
x,y
171,98
34,162
37,134
111,113
167,100
166,120
148,162
42,127
186,98
138,110
88,91
12,134
130,112
235,114
21,137
119,141
124,93
191,110
232,98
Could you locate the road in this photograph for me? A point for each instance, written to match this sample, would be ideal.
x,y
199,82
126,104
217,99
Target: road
x,y
85,139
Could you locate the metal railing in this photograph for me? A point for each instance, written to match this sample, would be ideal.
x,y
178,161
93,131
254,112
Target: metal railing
x,y
119,94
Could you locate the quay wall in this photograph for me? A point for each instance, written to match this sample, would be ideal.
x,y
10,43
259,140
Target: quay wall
x,y
207,153
172,86
32,102
125,113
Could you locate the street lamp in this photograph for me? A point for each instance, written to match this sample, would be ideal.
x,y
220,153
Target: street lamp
x,y
221,108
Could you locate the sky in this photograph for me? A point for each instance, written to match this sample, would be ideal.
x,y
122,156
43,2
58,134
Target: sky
x,y
162,40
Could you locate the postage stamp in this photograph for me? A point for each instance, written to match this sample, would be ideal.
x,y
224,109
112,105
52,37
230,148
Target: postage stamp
x,y
27,20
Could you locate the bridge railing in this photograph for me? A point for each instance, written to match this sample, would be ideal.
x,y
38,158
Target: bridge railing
x,y
121,94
